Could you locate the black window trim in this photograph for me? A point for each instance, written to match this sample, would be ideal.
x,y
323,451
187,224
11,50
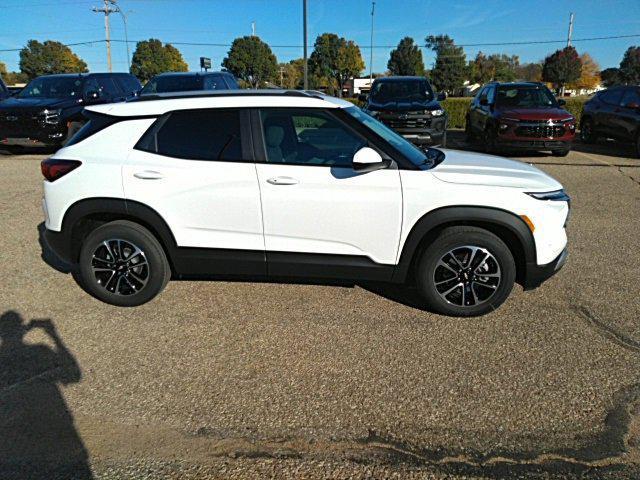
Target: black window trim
x,y
385,150
246,141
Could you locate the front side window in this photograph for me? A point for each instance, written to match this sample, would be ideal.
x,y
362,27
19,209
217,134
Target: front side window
x,y
173,83
308,137
525,97
197,135
612,97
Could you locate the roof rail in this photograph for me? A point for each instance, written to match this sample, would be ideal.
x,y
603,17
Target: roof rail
x,y
224,93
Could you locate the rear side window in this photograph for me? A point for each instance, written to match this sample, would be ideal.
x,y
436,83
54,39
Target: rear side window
x,y
231,81
612,97
214,83
95,123
196,135
128,84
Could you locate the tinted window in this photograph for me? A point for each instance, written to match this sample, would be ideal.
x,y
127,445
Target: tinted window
x,y
107,87
416,90
612,97
491,95
214,83
174,83
200,135
525,97
631,96
52,87
308,137
231,81
128,84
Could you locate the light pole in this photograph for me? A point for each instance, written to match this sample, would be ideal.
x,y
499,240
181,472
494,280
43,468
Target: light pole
x,y
126,35
373,9
305,70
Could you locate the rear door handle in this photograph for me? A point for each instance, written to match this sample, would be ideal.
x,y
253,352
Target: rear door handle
x,y
282,181
148,175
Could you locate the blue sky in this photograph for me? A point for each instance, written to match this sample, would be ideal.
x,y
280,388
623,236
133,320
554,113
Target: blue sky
x,y
279,22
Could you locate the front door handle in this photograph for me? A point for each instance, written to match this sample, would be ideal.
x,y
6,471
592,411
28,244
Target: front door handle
x,y
282,181
148,175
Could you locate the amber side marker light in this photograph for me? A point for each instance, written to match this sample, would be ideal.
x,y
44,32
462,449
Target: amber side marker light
x,y
529,223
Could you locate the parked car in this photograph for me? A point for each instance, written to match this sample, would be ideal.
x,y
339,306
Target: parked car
x,y
409,106
613,113
4,91
48,111
522,116
286,184
190,81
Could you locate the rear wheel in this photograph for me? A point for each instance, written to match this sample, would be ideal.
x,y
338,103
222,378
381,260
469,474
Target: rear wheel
x,y
123,264
587,132
638,145
468,131
490,140
466,271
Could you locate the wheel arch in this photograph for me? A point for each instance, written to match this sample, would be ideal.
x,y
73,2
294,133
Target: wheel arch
x,y
87,214
510,228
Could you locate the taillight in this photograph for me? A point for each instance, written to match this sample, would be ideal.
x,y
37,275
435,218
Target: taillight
x,y
53,168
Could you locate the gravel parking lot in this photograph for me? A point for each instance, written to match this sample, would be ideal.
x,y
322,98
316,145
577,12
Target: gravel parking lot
x,y
229,380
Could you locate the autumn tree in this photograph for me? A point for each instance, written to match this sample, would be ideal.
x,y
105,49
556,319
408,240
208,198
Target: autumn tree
x,y
589,74
450,68
406,59
562,67
335,58
252,60
49,57
630,66
291,74
611,77
151,57
499,67
530,72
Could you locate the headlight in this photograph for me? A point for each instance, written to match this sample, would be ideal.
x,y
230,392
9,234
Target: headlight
x,y
51,116
556,195
437,113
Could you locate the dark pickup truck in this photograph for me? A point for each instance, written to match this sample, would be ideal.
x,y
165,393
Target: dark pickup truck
x,y
409,106
48,111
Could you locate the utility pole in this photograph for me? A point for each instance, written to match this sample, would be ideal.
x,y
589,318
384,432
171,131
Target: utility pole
x,y
373,9
281,77
253,29
304,29
570,29
107,10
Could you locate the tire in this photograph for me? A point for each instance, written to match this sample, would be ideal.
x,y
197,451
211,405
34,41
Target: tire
x,y
443,143
482,294
72,130
560,153
587,132
489,141
121,283
638,145
470,137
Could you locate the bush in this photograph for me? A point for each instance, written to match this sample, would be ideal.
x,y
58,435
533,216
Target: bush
x,y
355,101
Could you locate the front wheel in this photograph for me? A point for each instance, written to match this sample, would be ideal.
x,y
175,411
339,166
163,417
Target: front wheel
x,y
638,145
587,132
466,271
123,264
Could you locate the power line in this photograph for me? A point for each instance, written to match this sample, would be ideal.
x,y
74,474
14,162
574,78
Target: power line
x,y
487,44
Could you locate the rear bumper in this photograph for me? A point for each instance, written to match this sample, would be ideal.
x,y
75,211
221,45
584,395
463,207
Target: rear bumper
x,y
537,274
58,243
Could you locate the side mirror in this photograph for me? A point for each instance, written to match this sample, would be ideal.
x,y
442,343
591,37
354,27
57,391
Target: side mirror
x,y
442,96
484,102
562,102
368,160
92,95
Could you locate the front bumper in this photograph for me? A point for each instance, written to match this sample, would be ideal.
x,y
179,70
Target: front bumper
x,y
33,133
424,138
530,144
537,274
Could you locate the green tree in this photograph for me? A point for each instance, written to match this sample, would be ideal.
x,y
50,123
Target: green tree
x,y
49,57
630,66
11,78
406,59
292,73
252,60
499,67
151,57
450,69
611,77
562,67
335,58
531,72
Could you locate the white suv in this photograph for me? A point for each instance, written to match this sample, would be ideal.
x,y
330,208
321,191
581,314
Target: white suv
x,y
292,185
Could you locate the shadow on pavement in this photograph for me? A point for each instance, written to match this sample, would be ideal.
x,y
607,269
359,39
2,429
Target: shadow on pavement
x,y
38,438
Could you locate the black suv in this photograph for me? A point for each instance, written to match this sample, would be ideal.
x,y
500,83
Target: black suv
x,y
48,111
613,113
190,81
409,106
4,91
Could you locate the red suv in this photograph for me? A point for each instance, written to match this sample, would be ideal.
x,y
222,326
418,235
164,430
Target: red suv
x,y
523,116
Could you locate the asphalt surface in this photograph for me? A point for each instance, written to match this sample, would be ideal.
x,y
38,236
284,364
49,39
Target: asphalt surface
x,y
246,380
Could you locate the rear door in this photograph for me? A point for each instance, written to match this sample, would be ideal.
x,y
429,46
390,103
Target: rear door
x,y
605,115
195,168
627,118
320,216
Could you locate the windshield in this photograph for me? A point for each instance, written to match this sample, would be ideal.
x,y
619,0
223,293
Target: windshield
x,y
52,87
417,156
408,90
173,83
525,97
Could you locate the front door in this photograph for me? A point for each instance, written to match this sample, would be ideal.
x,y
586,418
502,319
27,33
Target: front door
x,y
319,214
